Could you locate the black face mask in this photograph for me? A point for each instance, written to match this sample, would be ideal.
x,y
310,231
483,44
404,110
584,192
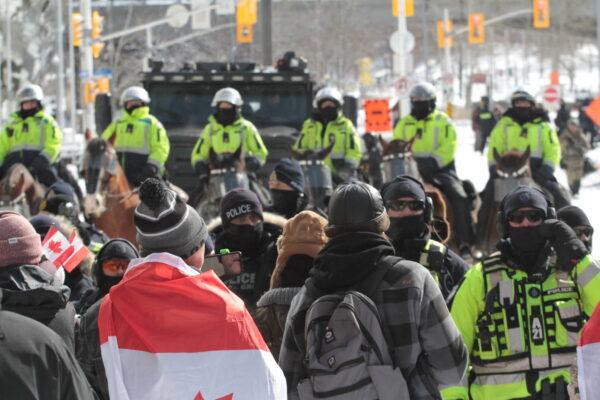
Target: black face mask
x,y
527,244
405,228
329,114
132,108
523,114
106,282
29,113
226,116
285,202
245,238
421,109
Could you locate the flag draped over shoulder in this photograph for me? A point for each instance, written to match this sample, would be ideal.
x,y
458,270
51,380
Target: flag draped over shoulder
x,y
169,332
588,358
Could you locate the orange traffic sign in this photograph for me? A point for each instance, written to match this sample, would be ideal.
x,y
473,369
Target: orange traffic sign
x,y
377,113
593,110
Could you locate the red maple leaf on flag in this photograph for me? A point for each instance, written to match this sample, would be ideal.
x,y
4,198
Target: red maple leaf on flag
x,y
226,397
55,246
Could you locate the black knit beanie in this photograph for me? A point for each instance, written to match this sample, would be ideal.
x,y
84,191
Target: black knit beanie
x,y
239,202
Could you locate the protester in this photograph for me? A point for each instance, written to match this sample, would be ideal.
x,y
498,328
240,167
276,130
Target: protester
x,y
423,340
541,266
35,363
579,222
411,215
302,238
286,185
244,227
108,270
574,146
28,289
164,305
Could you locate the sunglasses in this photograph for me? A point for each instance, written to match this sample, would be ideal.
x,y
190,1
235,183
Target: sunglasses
x,y
531,215
400,205
115,266
584,230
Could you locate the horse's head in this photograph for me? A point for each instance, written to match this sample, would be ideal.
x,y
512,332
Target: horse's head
x,y
100,164
397,147
513,164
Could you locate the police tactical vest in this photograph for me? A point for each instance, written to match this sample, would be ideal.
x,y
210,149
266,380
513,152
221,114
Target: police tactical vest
x,y
526,325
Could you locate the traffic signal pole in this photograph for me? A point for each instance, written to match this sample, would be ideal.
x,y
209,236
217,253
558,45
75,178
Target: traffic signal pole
x,y
598,37
400,64
87,67
60,101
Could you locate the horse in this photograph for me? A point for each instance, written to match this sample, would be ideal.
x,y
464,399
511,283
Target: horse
x,y
20,191
110,201
398,159
513,170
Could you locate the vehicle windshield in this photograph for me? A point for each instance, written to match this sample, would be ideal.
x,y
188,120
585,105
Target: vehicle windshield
x,y
187,105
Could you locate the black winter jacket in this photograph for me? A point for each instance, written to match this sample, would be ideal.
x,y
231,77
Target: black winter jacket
x,y
32,292
35,363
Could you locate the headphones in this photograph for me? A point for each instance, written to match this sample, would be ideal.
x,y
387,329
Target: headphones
x,y
428,210
502,219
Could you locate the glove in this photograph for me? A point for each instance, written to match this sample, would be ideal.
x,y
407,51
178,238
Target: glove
x,y
252,164
493,173
39,164
150,171
545,173
569,249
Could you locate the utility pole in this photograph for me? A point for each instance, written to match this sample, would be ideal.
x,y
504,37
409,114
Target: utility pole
x,y
425,34
598,37
400,64
87,67
447,65
267,31
60,104
8,58
72,72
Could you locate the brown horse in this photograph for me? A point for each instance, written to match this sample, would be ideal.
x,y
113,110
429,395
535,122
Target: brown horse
x,y
110,201
19,187
512,170
398,159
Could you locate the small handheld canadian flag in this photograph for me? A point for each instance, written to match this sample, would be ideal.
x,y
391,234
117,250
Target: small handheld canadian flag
x,y
64,252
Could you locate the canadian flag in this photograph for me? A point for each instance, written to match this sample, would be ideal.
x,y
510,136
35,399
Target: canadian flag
x,y
56,247
170,332
62,252
588,358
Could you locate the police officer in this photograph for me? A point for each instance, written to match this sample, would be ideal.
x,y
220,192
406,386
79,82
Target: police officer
x,y
60,199
483,121
31,137
139,138
520,309
329,126
434,148
525,126
226,131
411,213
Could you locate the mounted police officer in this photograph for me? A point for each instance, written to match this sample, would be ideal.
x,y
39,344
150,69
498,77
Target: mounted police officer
x,y
520,310
139,138
226,132
525,126
411,214
327,127
31,137
434,149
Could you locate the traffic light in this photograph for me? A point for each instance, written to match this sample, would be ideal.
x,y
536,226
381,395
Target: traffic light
x,y
89,92
476,28
541,14
444,38
76,28
97,21
409,7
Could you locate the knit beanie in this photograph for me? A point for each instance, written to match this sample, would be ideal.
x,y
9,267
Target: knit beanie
x,y
19,242
303,234
574,217
290,172
239,202
403,186
522,197
164,223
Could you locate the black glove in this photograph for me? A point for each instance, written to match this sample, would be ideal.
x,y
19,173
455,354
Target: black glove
x,y
493,172
544,173
252,164
150,171
39,164
569,249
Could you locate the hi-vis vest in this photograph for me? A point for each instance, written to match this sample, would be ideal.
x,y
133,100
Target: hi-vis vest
x,y
525,326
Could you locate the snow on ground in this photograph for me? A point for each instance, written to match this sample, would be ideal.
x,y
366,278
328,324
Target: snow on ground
x,y
473,165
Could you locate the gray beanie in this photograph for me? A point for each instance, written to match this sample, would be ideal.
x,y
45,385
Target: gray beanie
x,y
164,223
